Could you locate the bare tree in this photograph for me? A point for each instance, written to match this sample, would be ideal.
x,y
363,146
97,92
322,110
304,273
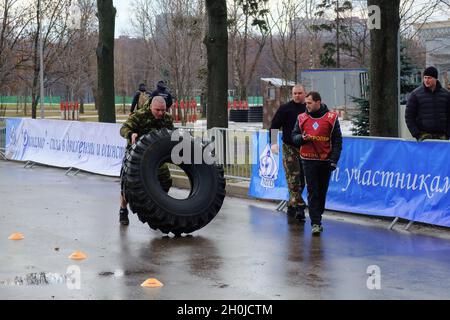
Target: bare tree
x,y
50,23
145,67
75,59
356,40
14,20
248,33
173,32
284,37
414,14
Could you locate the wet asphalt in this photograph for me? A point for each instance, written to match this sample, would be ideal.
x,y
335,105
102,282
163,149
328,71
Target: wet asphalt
x,y
249,251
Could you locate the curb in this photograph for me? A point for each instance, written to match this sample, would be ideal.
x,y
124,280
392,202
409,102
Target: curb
x,y
234,189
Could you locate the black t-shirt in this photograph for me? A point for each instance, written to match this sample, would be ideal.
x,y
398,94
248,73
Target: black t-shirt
x,y
165,94
285,118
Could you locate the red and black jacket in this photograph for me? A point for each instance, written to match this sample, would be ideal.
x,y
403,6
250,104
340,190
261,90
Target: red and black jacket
x,y
324,129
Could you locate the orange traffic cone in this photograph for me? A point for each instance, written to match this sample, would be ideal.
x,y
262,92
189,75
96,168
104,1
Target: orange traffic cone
x,y
151,283
16,236
78,255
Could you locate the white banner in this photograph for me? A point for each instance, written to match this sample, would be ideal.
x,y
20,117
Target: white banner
x,y
93,147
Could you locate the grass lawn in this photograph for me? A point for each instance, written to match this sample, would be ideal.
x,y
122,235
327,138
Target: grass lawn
x,y
52,111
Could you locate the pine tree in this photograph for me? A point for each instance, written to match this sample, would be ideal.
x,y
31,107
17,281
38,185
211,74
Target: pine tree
x,y
407,70
360,123
337,26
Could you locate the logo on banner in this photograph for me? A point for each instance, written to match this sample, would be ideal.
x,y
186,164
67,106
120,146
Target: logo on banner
x,y
268,168
13,136
25,138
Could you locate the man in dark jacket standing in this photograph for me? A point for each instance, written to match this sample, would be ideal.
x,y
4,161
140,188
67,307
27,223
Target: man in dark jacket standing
x,y
318,134
427,112
162,91
285,118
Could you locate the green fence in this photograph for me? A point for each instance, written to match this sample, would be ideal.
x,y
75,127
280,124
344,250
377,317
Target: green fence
x,y
122,100
17,99
52,100
252,100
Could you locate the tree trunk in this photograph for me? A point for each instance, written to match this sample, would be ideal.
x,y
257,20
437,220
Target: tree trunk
x,y
95,96
384,69
36,66
216,42
81,105
338,54
105,61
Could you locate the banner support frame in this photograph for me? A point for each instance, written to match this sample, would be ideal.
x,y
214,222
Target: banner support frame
x,y
410,223
29,164
282,205
393,223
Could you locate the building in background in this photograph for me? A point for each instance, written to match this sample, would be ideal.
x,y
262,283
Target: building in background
x,y
337,86
275,92
436,38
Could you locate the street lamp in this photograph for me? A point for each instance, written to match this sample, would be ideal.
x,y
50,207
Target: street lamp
x,y
41,61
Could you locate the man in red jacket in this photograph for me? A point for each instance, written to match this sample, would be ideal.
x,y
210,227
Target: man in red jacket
x,y
318,134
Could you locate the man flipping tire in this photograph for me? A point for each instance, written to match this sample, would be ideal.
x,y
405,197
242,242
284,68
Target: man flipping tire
x,y
152,117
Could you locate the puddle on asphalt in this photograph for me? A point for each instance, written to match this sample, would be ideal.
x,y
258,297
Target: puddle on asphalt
x,y
121,273
48,278
37,279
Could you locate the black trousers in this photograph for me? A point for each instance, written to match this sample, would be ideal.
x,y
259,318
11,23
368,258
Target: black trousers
x,y
317,174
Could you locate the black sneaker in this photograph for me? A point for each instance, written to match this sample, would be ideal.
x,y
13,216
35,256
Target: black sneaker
x,y
123,217
291,211
300,214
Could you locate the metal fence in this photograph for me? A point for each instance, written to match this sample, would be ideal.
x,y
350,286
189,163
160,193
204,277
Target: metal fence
x,y
232,149
2,138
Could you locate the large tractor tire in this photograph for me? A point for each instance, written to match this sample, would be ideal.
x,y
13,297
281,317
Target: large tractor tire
x,y
146,186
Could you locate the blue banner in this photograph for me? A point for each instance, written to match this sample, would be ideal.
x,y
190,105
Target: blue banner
x,y
268,178
393,178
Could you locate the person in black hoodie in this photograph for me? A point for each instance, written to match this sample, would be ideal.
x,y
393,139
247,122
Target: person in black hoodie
x,y
318,135
285,118
161,90
427,112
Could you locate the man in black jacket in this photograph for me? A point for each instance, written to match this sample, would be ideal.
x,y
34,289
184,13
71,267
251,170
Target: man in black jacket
x,y
318,134
285,118
162,91
427,112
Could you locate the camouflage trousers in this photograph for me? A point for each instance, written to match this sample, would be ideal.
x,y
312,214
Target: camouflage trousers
x,y
295,177
437,136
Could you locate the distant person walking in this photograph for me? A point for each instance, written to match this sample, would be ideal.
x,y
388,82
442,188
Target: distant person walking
x,y
140,97
427,112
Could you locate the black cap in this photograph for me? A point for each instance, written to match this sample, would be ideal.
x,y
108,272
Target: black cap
x,y
431,72
161,84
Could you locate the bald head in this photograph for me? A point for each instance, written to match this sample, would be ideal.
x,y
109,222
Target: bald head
x,y
298,93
